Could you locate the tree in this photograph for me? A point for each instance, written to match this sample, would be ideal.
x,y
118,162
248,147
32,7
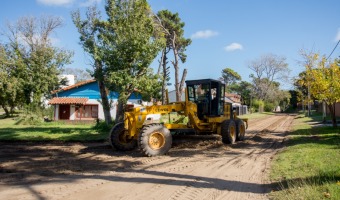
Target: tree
x,y
229,76
93,45
133,41
268,69
244,89
32,62
294,98
9,84
123,47
175,42
302,87
324,82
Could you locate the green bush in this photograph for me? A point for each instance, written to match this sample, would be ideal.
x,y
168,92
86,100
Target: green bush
x,y
34,115
257,105
102,126
269,107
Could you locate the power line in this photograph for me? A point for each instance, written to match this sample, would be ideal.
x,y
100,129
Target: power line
x,y
334,49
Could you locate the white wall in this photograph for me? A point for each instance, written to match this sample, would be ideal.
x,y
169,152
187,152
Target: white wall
x,y
72,112
56,112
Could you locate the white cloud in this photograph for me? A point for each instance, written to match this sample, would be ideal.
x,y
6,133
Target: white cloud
x,y
90,3
233,46
56,2
204,34
337,38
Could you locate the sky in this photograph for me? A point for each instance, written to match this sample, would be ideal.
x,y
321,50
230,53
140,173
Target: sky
x,y
224,33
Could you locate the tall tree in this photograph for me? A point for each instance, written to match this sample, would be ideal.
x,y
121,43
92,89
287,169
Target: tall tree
x,y
32,58
132,42
93,45
10,89
229,77
267,70
175,42
324,82
123,47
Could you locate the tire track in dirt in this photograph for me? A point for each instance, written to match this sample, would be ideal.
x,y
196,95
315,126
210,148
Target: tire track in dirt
x,y
191,190
227,165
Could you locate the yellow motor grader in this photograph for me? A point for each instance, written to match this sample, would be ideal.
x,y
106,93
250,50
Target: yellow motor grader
x,y
204,111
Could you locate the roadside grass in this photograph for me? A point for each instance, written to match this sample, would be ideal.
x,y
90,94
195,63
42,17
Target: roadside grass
x,y
256,115
309,167
12,130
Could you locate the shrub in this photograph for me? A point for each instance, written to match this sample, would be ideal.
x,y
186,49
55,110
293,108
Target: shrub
x,y
269,107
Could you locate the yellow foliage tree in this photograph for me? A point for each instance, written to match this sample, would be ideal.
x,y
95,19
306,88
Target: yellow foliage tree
x,y
324,82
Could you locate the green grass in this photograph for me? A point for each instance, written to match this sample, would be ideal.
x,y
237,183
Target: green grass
x,y
309,167
11,130
256,115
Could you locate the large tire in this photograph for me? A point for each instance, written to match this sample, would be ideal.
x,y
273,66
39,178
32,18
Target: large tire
x,y
119,140
240,130
155,140
228,132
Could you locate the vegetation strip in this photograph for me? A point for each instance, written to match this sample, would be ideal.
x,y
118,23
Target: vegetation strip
x,y
309,168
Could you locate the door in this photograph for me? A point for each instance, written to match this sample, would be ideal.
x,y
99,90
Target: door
x,y
64,112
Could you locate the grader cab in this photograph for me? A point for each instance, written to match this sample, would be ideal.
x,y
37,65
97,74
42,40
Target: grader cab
x,y
204,111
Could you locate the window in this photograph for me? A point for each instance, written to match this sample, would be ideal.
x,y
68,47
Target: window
x,y
88,111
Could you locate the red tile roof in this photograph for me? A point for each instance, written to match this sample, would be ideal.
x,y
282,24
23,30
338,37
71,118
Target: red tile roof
x,y
74,86
68,100
234,97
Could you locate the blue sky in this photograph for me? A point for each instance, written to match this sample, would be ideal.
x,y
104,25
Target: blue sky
x,y
224,33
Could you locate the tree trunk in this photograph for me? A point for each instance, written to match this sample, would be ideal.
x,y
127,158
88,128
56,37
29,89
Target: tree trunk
x,y
176,67
332,112
12,109
103,93
181,86
164,81
105,102
7,113
122,101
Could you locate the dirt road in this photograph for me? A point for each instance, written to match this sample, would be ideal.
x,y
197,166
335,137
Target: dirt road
x,y
202,168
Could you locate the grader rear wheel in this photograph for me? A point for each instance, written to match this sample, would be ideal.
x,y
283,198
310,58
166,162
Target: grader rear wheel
x,y
240,130
228,132
155,139
120,140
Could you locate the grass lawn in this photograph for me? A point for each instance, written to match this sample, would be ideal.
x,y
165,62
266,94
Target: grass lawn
x,y
256,115
309,167
10,130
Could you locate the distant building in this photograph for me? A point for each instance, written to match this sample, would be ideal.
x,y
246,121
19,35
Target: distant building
x,y
235,100
172,96
70,79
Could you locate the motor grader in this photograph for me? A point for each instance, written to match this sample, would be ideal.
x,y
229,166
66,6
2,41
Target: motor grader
x,y
205,111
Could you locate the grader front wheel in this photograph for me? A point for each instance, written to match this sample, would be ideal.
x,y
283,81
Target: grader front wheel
x,y
120,140
155,139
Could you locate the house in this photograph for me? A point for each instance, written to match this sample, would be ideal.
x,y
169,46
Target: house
x,y
81,101
235,100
